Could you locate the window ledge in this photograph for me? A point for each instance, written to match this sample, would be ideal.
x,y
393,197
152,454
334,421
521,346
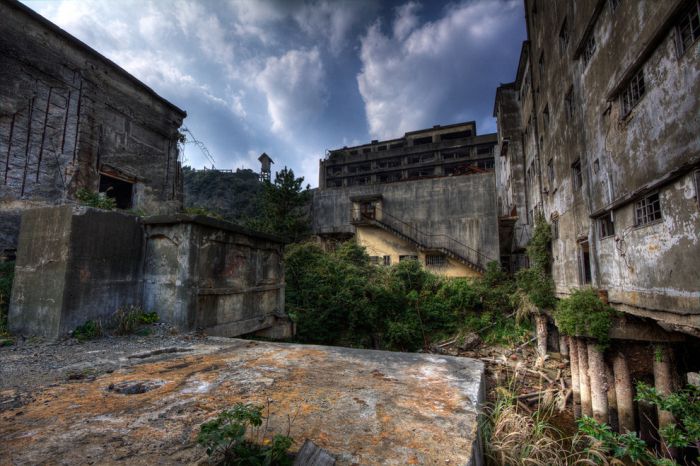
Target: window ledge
x,y
644,225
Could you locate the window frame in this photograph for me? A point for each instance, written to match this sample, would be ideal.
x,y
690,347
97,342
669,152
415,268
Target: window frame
x,y
649,207
606,226
577,176
589,49
681,46
633,92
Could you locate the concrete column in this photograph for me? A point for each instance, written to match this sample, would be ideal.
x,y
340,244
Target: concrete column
x,y
612,398
664,381
563,345
541,326
583,378
599,389
623,393
573,364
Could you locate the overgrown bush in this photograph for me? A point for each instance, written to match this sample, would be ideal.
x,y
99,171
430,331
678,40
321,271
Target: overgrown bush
x,y
7,273
584,314
88,331
130,319
93,199
536,282
340,298
225,439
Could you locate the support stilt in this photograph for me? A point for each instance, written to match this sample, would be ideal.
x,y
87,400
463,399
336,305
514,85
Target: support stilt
x,y
623,393
563,345
541,325
612,398
583,378
664,381
599,389
575,386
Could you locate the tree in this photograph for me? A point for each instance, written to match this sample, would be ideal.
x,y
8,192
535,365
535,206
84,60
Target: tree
x,y
284,207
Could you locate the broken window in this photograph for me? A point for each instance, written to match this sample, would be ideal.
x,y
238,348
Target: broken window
x,y
569,104
607,226
555,227
456,135
359,168
589,49
334,171
563,37
614,4
577,175
389,163
374,260
632,93
396,145
389,177
484,150
367,210
421,141
420,173
435,260
121,191
366,150
334,183
387,260
647,209
584,263
688,27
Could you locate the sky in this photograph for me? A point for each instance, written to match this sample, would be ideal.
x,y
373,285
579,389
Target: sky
x,y
295,78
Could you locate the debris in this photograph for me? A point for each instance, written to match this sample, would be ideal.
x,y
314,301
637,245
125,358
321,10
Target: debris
x,y
311,454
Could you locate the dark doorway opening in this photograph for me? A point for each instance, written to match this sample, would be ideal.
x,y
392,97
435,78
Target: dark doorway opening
x,y
121,191
584,262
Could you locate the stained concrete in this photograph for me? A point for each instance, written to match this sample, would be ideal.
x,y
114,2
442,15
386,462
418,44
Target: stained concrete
x,y
365,407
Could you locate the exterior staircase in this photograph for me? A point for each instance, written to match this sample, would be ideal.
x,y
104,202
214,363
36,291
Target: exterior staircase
x,y
443,244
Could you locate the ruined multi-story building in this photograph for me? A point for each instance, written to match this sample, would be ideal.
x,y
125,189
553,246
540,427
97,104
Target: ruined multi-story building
x,y
599,133
428,196
70,119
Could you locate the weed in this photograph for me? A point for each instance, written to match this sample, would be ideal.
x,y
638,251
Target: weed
x,y
7,273
128,320
93,199
88,331
584,314
203,211
225,438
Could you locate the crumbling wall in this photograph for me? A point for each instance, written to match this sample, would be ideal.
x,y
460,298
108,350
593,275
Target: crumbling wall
x,y
67,114
206,274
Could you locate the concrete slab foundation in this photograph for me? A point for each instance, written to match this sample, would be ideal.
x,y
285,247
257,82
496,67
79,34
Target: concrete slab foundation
x,y
365,407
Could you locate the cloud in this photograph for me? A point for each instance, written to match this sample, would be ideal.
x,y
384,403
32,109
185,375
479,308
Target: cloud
x,y
437,72
295,89
332,21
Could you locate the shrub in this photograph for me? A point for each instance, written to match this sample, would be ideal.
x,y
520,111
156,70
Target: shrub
x,y
88,331
7,273
584,314
93,199
128,320
225,439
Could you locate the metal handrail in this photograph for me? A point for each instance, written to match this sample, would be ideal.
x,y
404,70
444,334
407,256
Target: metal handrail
x,y
432,241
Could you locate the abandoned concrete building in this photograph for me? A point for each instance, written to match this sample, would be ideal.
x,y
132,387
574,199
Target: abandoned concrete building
x,y
429,195
599,133
70,119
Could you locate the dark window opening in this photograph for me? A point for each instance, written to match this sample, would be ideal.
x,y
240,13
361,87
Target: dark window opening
x,y
545,117
584,262
389,177
121,191
569,104
421,173
367,210
550,172
697,186
589,49
353,152
456,135
647,209
577,175
484,150
614,4
387,260
421,141
374,260
607,226
366,150
396,145
381,148
555,228
563,37
435,260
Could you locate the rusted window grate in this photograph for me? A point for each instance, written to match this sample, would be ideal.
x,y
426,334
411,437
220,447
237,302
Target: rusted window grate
x,y
648,209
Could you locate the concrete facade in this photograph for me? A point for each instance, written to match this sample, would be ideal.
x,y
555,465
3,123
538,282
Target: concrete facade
x,y
616,178
446,212
70,119
76,264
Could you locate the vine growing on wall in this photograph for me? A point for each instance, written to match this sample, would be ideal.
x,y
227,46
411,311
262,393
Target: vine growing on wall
x,y
535,282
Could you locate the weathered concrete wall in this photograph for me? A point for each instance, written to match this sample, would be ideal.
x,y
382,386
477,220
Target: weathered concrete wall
x,y
74,264
211,275
68,114
461,207
571,110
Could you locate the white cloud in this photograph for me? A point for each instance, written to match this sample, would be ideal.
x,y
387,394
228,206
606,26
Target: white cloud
x,y
331,21
423,71
294,86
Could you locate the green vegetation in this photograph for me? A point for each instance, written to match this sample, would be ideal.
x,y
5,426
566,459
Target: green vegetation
x,y
584,314
535,283
340,298
130,319
232,196
7,274
626,446
225,439
283,207
93,199
203,211
88,331
685,406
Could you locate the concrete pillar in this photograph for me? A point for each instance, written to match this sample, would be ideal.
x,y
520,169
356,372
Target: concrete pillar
x,y
664,382
623,393
563,345
573,364
541,327
612,398
599,389
583,378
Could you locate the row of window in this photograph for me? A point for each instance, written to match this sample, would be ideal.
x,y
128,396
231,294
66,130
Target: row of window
x,y
431,260
416,142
